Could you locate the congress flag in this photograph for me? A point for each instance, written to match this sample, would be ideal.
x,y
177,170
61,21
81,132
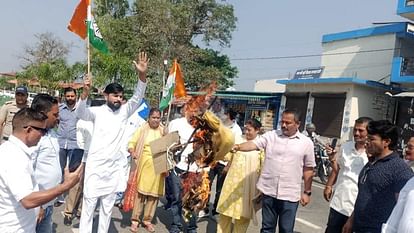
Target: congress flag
x,y
77,24
95,36
174,86
83,24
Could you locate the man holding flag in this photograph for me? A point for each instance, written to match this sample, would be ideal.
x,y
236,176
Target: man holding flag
x,y
104,172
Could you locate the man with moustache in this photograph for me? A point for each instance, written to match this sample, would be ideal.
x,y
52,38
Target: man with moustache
x,y
104,172
289,156
346,166
45,158
8,110
67,125
68,148
380,181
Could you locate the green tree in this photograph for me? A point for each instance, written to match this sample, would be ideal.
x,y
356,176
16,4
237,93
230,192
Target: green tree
x,y
166,30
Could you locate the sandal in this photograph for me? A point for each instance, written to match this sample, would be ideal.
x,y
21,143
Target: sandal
x,y
149,227
134,227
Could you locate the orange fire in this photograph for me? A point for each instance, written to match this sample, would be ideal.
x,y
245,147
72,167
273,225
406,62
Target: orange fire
x,y
196,186
204,190
196,189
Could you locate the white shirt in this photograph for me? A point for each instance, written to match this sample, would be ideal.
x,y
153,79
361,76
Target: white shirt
x,y
235,128
346,187
401,219
104,173
184,131
84,131
46,163
16,182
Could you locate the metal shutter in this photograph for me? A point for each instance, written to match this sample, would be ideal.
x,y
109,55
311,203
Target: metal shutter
x,y
328,110
300,103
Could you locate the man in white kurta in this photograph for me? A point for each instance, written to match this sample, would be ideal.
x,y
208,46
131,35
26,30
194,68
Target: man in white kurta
x,y
104,172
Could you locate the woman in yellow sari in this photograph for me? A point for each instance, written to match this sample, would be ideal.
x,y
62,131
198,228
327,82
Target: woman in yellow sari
x,y
239,189
150,186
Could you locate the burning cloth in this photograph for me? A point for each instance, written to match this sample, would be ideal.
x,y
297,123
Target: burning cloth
x,y
212,141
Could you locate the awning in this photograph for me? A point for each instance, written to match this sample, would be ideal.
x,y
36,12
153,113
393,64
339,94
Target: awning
x,y
404,94
338,80
235,95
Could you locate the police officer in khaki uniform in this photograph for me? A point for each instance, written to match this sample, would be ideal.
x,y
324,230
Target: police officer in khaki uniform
x,y
10,108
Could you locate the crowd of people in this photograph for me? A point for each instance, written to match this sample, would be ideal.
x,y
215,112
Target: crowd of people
x,y
84,156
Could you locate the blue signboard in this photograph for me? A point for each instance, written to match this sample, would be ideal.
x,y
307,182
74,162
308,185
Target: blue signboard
x,y
309,73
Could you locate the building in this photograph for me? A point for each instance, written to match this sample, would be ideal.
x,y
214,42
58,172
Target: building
x,y
358,72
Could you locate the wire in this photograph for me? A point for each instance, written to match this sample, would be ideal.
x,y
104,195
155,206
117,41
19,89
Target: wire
x,y
309,55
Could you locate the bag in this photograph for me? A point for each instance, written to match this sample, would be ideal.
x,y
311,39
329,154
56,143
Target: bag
x,y
130,192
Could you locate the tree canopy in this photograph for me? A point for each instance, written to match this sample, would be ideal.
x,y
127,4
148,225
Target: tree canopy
x,y
165,29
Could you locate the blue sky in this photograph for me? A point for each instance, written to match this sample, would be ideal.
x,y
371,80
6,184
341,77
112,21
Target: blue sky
x,y
265,28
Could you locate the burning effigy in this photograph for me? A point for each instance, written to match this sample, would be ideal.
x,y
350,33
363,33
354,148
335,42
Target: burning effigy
x,y
211,141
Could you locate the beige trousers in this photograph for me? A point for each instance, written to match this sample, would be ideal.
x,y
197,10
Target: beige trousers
x,y
146,204
225,223
73,199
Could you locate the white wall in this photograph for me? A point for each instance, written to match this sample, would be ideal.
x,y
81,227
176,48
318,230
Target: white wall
x,y
369,65
370,102
360,101
326,88
269,85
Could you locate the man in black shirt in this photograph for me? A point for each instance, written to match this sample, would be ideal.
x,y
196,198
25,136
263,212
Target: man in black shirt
x,y
380,181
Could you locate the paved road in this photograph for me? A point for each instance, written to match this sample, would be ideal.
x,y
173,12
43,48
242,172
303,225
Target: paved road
x,y
310,219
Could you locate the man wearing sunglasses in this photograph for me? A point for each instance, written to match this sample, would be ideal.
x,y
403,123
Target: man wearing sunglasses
x,y
380,181
19,191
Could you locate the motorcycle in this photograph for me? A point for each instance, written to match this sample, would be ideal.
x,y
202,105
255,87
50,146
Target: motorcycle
x,y
323,165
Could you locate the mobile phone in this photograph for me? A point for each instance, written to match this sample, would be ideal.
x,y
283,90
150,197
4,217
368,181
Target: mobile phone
x,y
75,159
333,143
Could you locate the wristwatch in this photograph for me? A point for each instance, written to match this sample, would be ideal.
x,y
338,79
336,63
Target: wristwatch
x,y
309,193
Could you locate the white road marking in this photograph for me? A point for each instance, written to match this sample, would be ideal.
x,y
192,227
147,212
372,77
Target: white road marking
x,y
309,224
75,230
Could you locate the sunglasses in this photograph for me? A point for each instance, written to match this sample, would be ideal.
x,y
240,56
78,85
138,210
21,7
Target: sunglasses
x,y
43,131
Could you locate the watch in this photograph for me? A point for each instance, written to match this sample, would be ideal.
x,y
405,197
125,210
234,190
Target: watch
x,y
309,193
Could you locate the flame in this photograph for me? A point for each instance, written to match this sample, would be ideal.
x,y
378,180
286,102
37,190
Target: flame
x,y
204,189
196,186
196,190
197,104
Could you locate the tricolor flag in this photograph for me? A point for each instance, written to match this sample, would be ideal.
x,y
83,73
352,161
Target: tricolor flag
x,y
174,86
83,24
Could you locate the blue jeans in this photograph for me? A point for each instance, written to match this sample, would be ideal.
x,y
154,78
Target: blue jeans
x,y
173,190
273,210
45,226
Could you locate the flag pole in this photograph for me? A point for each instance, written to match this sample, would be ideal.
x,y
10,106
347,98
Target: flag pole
x,y
88,47
169,111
